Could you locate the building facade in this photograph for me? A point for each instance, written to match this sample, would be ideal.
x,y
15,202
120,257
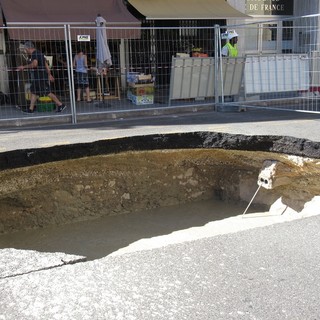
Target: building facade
x,y
273,25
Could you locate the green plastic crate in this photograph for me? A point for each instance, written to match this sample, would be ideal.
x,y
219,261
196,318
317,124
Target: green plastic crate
x,y
45,106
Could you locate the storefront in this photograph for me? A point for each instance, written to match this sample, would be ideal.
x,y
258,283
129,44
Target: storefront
x,y
273,31
51,26
180,26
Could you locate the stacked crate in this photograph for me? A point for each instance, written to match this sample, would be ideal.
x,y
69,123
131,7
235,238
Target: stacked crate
x,y
45,104
140,88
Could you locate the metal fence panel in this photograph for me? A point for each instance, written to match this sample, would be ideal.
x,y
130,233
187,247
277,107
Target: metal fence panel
x,y
276,73
192,78
155,68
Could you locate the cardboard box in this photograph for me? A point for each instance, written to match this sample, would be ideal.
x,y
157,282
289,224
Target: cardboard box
x,y
144,77
135,77
142,91
142,100
140,85
132,77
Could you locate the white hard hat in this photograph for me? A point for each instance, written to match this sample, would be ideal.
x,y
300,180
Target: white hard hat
x,y
232,34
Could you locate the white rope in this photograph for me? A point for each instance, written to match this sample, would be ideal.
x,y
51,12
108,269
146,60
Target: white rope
x,y
245,211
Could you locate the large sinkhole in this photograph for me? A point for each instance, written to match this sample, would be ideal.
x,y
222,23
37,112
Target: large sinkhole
x,y
92,199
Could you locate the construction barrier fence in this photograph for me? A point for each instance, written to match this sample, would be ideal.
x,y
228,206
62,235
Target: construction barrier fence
x,y
156,68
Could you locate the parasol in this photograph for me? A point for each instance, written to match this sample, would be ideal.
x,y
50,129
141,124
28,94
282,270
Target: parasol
x,y
103,55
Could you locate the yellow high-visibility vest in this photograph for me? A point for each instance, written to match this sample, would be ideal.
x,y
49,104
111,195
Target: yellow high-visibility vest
x,y
233,50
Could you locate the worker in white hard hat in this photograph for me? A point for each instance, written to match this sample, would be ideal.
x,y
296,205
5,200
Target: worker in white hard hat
x,y
230,48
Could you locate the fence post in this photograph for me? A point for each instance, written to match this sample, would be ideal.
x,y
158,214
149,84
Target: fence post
x,y
67,34
217,61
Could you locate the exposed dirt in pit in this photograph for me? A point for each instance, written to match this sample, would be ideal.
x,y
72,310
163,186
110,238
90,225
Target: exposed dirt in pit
x,y
73,190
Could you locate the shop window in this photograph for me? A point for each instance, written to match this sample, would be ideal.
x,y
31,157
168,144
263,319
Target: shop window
x,y
287,36
252,36
188,29
269,37
287,30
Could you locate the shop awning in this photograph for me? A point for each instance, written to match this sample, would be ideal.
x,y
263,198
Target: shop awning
x,y
82,13
186,9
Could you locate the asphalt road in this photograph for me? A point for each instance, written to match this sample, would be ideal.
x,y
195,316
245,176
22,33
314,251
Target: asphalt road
x,y
251,122
263,273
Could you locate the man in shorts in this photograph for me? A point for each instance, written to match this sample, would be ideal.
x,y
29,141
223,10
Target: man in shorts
x,y
41,77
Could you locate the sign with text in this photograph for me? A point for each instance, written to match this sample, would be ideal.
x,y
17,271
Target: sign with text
x,y
83,37
269,7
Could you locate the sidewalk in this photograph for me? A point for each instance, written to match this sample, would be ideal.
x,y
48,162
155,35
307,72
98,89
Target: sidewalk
x,y
252,122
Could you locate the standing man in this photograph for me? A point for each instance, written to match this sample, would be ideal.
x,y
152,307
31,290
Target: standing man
x,y
230,49
40,75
